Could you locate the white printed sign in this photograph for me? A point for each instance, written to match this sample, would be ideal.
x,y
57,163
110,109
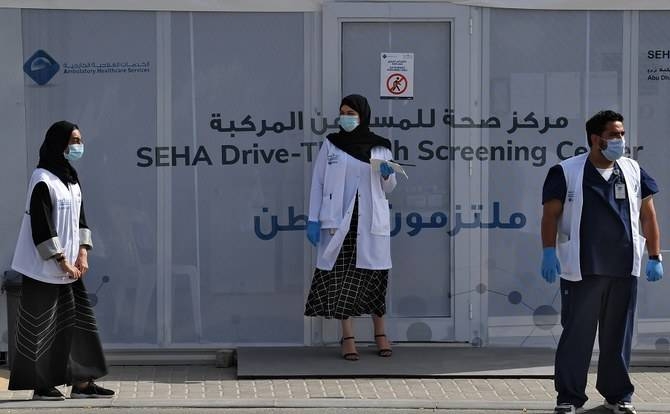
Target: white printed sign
x,y
397,76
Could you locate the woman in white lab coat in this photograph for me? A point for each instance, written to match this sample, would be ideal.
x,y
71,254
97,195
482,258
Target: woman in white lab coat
x,y
349,223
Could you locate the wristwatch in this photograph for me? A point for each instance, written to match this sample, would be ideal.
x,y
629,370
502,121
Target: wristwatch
x,y
60,258
657,257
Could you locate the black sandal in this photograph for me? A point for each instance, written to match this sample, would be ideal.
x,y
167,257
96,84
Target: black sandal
x,y
349,356
384,352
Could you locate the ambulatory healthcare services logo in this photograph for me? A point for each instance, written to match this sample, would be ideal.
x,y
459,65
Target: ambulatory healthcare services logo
x,y
41,67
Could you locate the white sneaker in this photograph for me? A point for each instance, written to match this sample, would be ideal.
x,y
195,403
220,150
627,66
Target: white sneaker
x,y
622,407
565,408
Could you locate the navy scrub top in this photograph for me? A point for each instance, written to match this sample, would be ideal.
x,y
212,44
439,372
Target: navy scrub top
x,y
606,246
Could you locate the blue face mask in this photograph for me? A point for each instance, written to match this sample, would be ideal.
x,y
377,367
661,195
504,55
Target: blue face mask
x,y
75,152
349,122
615,149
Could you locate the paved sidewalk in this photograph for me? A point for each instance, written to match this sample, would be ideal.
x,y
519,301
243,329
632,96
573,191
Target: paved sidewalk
x,y
207,386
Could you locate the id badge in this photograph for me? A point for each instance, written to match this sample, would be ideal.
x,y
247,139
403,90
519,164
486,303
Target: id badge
x,y
620,191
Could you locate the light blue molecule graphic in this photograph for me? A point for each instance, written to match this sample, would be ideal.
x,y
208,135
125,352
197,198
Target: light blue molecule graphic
x,y
514,297
419,332
93,297
545,317
476,342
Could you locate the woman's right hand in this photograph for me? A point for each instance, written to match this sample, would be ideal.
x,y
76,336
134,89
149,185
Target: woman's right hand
x,y
313,232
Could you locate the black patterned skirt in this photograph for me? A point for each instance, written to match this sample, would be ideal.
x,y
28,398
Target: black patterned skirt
x,y
56,337
346,290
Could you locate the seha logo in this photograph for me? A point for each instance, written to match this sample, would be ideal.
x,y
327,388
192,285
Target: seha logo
x,y
41,67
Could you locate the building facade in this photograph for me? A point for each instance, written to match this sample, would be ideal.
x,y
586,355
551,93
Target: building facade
x,y
201,123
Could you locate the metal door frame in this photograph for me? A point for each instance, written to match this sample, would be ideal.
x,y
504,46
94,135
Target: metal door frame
x,y
467,272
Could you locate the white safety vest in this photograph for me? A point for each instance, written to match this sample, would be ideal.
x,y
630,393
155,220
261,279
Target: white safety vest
x,y
568,243
66,202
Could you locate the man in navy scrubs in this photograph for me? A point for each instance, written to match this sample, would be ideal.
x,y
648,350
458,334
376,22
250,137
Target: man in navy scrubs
x,y
597,211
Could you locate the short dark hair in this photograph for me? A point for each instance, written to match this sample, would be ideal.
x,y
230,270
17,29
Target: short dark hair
x,y
598,122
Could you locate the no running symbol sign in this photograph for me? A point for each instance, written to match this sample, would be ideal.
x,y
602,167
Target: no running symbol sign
x,y
397,76
396,83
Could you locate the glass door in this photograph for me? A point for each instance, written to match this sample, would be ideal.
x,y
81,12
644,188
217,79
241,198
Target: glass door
x,y
428,300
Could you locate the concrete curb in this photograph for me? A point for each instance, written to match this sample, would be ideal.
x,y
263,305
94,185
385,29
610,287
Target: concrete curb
x,y
304,403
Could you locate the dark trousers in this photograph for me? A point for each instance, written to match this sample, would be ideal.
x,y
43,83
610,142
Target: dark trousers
x,y
602,303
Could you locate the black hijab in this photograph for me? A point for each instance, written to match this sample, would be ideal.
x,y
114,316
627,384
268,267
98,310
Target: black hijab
x,y
52,149
360,141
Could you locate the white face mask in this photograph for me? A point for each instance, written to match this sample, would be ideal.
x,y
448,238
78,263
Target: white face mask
x,y
615,149
75,152
349,122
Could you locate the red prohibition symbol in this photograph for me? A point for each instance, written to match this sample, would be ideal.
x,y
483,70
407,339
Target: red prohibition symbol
x,y
396,83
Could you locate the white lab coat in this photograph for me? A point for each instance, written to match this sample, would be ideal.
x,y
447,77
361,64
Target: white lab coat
x,y
337,179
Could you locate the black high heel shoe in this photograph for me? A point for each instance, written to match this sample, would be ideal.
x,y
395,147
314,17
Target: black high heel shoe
x,y
349,356
383,352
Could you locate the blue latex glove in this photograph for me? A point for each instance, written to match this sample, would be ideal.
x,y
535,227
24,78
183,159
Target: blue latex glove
x,y
313,232
654,270
550,265
386,170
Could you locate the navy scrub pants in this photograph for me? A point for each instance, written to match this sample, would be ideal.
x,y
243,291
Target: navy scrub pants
x,y
607,304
